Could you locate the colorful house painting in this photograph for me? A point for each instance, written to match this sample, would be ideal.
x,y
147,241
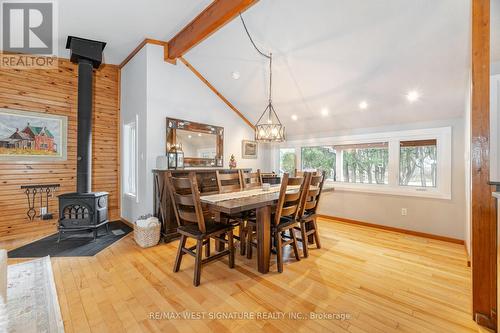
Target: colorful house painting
x,y
32,136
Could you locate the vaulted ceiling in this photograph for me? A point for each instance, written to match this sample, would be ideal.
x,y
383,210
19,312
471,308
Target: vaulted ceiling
x,y
124,23
333,54
328,55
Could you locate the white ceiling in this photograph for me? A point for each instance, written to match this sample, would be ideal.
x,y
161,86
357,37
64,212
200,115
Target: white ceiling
x,y
335,53
327,54
123,24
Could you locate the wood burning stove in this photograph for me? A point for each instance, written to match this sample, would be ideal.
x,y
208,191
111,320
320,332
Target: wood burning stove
x,y
83,209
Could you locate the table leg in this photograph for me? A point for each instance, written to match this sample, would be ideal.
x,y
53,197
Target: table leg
x,y
219,246
263,238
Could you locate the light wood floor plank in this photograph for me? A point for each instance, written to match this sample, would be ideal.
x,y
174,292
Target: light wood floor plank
x,y
385,282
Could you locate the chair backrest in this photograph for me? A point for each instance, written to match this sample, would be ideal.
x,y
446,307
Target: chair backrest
x,y
313,186
300,173
251,179
185,195
288,202
228,182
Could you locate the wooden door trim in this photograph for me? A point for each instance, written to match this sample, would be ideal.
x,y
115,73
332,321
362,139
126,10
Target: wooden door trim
x,y
483,213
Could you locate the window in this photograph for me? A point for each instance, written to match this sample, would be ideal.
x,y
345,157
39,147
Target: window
x,y
410,162
319,158
130,159
287,161
365,163
418,163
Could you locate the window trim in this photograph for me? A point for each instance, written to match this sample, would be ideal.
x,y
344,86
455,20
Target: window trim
x,y
134,123
443,135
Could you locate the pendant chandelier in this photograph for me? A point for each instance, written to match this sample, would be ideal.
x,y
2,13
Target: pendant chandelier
x,y
268,128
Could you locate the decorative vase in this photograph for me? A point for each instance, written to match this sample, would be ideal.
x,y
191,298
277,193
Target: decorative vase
x,y
232,162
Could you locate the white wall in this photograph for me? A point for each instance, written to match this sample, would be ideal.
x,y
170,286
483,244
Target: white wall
x,y
174,91
429,215
134,102
468,167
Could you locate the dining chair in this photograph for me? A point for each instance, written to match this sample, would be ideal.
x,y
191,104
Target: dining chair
x,y
307,215
251,180
227,183
194,223
301,173
284,220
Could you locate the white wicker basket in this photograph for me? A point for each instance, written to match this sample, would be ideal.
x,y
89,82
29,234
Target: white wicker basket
x,y
147,232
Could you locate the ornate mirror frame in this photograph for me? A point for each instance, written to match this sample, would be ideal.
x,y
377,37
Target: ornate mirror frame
x,y
193,162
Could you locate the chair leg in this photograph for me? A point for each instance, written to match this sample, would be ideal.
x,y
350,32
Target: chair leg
x,y
207,248
197,263
316,235
243,236
178,258
305,243
294,244
279,251
230,245
249,242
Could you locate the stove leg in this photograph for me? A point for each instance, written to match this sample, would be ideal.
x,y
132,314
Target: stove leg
x,y
107,228
95,234
59,236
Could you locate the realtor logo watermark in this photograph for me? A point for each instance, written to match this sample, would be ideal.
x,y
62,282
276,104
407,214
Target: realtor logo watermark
x,y
29,34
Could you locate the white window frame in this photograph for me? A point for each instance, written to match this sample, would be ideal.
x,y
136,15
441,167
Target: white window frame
x,y
443,136
131,124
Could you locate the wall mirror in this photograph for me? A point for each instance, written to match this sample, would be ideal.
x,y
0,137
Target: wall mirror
x,y
201,144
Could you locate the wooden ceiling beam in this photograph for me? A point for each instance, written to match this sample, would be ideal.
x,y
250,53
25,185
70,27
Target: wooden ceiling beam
x,y
215,16
211,87
141,45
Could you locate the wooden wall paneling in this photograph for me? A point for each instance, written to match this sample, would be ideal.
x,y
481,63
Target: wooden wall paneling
x,y
55,92
484,240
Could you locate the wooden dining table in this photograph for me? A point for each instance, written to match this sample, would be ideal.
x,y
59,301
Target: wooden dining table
x,y
243,201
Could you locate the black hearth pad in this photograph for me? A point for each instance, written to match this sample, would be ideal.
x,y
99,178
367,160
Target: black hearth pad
x,y
73,244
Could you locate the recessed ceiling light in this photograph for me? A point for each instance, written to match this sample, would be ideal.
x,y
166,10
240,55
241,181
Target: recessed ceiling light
x,y
294,117
235,75
363,105
412,96
324,112
199,134
190,136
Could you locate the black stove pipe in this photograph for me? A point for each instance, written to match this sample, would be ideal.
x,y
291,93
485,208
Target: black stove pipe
x,y
84,148
88,55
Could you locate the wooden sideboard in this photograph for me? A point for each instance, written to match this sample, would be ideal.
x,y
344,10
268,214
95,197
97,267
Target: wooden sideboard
x,y
163,208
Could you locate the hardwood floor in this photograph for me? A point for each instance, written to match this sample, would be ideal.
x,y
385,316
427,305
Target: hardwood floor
x,y
385,282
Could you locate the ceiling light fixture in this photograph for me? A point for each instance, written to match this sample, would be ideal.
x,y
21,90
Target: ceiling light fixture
x,y
363,105
324,112
268,128
294,117
412,96
235,75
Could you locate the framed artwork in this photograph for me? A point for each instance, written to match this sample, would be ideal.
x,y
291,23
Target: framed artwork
x,y
32,136
249,149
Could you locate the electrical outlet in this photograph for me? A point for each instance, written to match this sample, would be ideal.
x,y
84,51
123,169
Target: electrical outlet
x,y
404,212
43,210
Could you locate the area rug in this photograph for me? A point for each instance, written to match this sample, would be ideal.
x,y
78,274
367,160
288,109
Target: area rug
x,y
74,244
32,303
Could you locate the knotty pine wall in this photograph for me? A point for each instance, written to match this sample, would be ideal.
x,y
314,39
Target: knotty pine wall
x,y
55,92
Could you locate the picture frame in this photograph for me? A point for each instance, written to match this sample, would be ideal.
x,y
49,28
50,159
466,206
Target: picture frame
x,y
32,136
249,149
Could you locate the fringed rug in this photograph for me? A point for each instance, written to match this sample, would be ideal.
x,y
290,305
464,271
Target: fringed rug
x,y
32,303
